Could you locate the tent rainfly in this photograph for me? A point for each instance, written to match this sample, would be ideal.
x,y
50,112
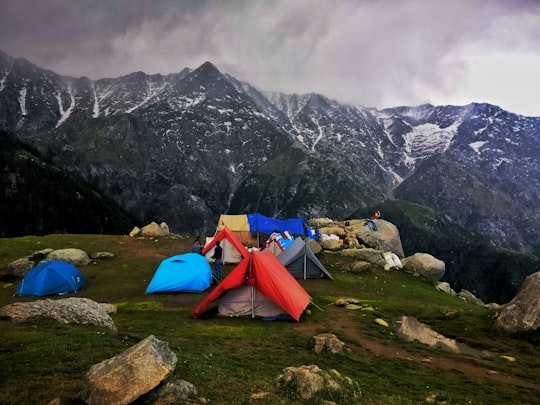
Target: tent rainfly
x,y
233,250
262,224
301,262
258,287
52,277
189,272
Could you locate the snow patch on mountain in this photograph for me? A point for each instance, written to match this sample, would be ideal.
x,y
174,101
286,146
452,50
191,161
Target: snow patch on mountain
x,y
476,146
64,114
426,140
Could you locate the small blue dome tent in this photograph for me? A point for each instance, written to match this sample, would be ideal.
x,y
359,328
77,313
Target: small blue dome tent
x,y
189,272
52,277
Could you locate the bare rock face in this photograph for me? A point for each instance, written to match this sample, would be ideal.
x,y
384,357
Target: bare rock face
x,y
522,313
425,266
124,378
67,310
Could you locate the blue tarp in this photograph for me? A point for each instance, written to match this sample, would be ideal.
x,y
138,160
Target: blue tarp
x,y
53,277
260,223
188,272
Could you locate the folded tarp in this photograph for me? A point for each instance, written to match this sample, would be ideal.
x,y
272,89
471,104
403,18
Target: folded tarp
x,y
260,223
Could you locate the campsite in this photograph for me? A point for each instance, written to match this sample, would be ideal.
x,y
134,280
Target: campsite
x,y
237,359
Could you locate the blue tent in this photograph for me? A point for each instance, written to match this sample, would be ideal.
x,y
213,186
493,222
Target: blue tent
x,y
187,272
53,277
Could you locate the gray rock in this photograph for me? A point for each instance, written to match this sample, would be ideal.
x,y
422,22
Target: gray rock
x,y
67,310
424,265
309,380
19,267
327,342
77,257
522,313
133,373
173,393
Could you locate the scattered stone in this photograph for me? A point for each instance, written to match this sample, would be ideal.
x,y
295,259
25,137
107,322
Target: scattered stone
x,y
445,287
102,255
360,267
124,378
174,392
381,322
469,297
343,302
353,307
309,380
327,342
509,358
135,232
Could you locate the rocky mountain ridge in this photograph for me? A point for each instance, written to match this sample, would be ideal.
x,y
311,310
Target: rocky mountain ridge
x,y
186,147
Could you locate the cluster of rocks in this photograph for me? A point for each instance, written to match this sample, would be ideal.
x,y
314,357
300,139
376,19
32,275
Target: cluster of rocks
x,y
354,239
77,257
151,230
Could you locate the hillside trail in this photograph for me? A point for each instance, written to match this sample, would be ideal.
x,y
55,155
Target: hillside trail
x,y
341,322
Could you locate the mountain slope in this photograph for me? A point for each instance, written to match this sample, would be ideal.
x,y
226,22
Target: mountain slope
x,y
39,198
182,148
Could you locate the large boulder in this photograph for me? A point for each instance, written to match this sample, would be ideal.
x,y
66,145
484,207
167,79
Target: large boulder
x,y
133,373
522,313
66,310
424,265
386,238
77,257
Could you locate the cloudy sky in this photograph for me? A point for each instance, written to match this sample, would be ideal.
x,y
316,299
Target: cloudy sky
x,y
374,53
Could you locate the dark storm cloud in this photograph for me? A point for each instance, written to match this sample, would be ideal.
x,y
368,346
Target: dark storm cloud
x,y
368,52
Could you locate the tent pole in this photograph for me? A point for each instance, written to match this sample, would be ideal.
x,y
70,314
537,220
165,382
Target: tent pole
x,y
252,303
316,306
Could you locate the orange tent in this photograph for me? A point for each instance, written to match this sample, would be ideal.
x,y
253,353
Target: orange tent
x,y
259,286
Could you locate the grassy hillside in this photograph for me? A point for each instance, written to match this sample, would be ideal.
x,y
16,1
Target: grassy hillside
x,y
229,359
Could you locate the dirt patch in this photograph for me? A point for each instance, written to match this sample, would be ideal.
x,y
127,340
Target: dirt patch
x,y
340,321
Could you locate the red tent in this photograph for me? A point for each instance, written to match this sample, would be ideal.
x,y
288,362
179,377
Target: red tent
x,y
272,290
233,249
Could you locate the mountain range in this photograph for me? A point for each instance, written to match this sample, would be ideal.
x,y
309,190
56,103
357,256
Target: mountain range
x,y
184,148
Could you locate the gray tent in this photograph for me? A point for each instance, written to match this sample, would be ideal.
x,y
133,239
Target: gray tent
x,y
301,262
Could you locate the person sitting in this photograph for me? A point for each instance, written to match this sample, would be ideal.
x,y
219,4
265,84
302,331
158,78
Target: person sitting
x,y
370,223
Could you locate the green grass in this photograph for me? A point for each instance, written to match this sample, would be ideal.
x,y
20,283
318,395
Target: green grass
x,y
229,359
